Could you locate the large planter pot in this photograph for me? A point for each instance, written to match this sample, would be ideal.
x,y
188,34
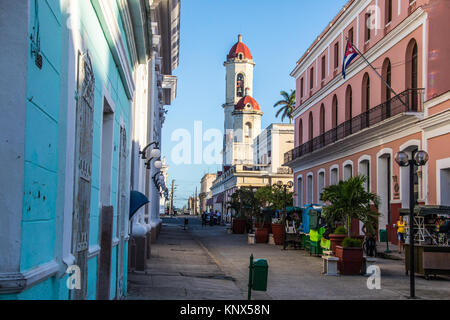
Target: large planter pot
x,y
239,226
267,225
278,233
350,260
261,235
336,240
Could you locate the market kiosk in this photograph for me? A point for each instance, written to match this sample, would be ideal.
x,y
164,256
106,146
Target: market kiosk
x,y
431,240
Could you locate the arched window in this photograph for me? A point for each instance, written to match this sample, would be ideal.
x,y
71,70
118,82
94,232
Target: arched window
x,y
365,103
322,119
310,126
240,85
334,120
348,109
385,90
300,132
248,130
412,73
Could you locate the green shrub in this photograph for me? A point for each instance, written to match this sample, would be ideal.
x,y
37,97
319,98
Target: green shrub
x,y
340,230
351,243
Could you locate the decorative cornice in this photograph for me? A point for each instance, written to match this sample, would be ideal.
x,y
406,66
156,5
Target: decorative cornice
x,y
16,282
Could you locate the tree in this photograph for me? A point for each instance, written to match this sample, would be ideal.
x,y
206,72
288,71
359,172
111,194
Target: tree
x,y
273,197
287,105
244,203
350,200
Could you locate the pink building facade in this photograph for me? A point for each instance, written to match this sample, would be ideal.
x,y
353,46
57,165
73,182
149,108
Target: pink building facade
x,y
352,126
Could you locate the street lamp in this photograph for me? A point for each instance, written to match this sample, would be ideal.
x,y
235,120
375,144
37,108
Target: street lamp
x,y
420,158
155,153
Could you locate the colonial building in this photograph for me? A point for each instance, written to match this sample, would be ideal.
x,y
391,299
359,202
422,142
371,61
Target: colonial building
x,y
205,196
77,77
356,125
250,158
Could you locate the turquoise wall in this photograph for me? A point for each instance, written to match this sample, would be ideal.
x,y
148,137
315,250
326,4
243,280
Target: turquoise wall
x,y
41,149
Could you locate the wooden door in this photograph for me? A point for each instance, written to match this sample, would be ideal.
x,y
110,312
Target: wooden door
x,y
83,170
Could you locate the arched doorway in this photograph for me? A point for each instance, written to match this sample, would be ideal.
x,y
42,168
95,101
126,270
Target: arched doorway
x,y
365,101
348,109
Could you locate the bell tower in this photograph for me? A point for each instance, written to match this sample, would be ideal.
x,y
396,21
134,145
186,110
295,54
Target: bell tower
x,y
239,86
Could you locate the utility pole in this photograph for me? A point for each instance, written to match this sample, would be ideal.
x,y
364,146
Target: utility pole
x,y
195,199
171,198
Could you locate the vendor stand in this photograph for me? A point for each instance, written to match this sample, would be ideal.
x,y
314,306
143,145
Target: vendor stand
x,y
431,240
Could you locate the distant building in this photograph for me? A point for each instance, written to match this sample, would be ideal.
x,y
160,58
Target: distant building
x,y
205,196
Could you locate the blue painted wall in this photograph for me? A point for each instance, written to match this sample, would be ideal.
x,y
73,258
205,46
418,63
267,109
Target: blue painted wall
x,y
42,133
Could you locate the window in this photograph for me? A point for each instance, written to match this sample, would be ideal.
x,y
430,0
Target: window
x,y
388,13
301,88
386,73
248,130
336,55
348,172
322,119
350,35
348,109
300,192
368,27
311,79
323,67
412,78
309,189
365,100
334,176
311,126
240,85
334,112
320,185
300,132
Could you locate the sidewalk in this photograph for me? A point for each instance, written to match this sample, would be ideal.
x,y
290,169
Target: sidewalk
x,y
180,269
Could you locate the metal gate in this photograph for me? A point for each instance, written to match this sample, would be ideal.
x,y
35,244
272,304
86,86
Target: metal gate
x,y
121,210
83,170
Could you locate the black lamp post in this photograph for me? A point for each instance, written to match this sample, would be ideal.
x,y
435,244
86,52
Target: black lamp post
x,y
419,159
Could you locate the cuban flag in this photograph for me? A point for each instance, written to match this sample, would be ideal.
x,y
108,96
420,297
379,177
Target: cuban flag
x,y
350,54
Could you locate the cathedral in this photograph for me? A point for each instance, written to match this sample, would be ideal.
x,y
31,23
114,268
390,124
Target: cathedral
x,y
251,157
242,113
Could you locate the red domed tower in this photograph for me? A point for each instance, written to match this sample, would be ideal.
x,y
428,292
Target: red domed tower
x,y
242,112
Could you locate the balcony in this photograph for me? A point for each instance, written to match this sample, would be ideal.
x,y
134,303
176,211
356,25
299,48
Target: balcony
x,y
410,100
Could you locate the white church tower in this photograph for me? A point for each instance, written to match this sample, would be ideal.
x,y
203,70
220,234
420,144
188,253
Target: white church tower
x,y
242,112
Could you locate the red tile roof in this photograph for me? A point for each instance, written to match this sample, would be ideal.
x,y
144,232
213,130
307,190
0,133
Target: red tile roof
x,y
239,47
246,100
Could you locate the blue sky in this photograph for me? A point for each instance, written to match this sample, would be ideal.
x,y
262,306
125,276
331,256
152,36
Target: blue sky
x,y
277,34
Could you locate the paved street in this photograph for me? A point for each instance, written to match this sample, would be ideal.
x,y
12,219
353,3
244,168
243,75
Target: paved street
x,y
207,263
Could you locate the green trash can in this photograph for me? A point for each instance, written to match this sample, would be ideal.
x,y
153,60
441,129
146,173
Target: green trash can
x,y
383,235
260,273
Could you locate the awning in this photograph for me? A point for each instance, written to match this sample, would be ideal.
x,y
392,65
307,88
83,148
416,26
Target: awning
x,y
219,198
137,201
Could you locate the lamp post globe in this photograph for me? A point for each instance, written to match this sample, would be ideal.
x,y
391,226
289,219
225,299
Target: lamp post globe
x,y
158,164
155,153
421,158
290,184
402,159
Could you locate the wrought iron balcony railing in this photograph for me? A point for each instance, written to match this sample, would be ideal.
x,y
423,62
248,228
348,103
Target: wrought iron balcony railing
x,y
410,100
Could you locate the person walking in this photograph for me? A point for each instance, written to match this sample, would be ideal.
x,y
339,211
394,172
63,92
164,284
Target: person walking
x,y
400,233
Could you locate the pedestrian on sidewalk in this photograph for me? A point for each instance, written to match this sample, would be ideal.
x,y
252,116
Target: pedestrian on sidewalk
x,y
400,233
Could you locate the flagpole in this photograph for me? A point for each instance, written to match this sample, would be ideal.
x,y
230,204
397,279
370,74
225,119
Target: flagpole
x,y
378,74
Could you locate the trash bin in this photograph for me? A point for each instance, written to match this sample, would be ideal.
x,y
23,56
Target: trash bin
x,y
383,235
260,273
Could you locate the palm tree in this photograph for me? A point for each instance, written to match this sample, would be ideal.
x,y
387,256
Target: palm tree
x,y
350,200
287,105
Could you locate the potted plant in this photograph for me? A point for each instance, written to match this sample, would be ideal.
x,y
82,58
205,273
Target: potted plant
x,y
350,254
337,237
349,200
277,231
239,215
